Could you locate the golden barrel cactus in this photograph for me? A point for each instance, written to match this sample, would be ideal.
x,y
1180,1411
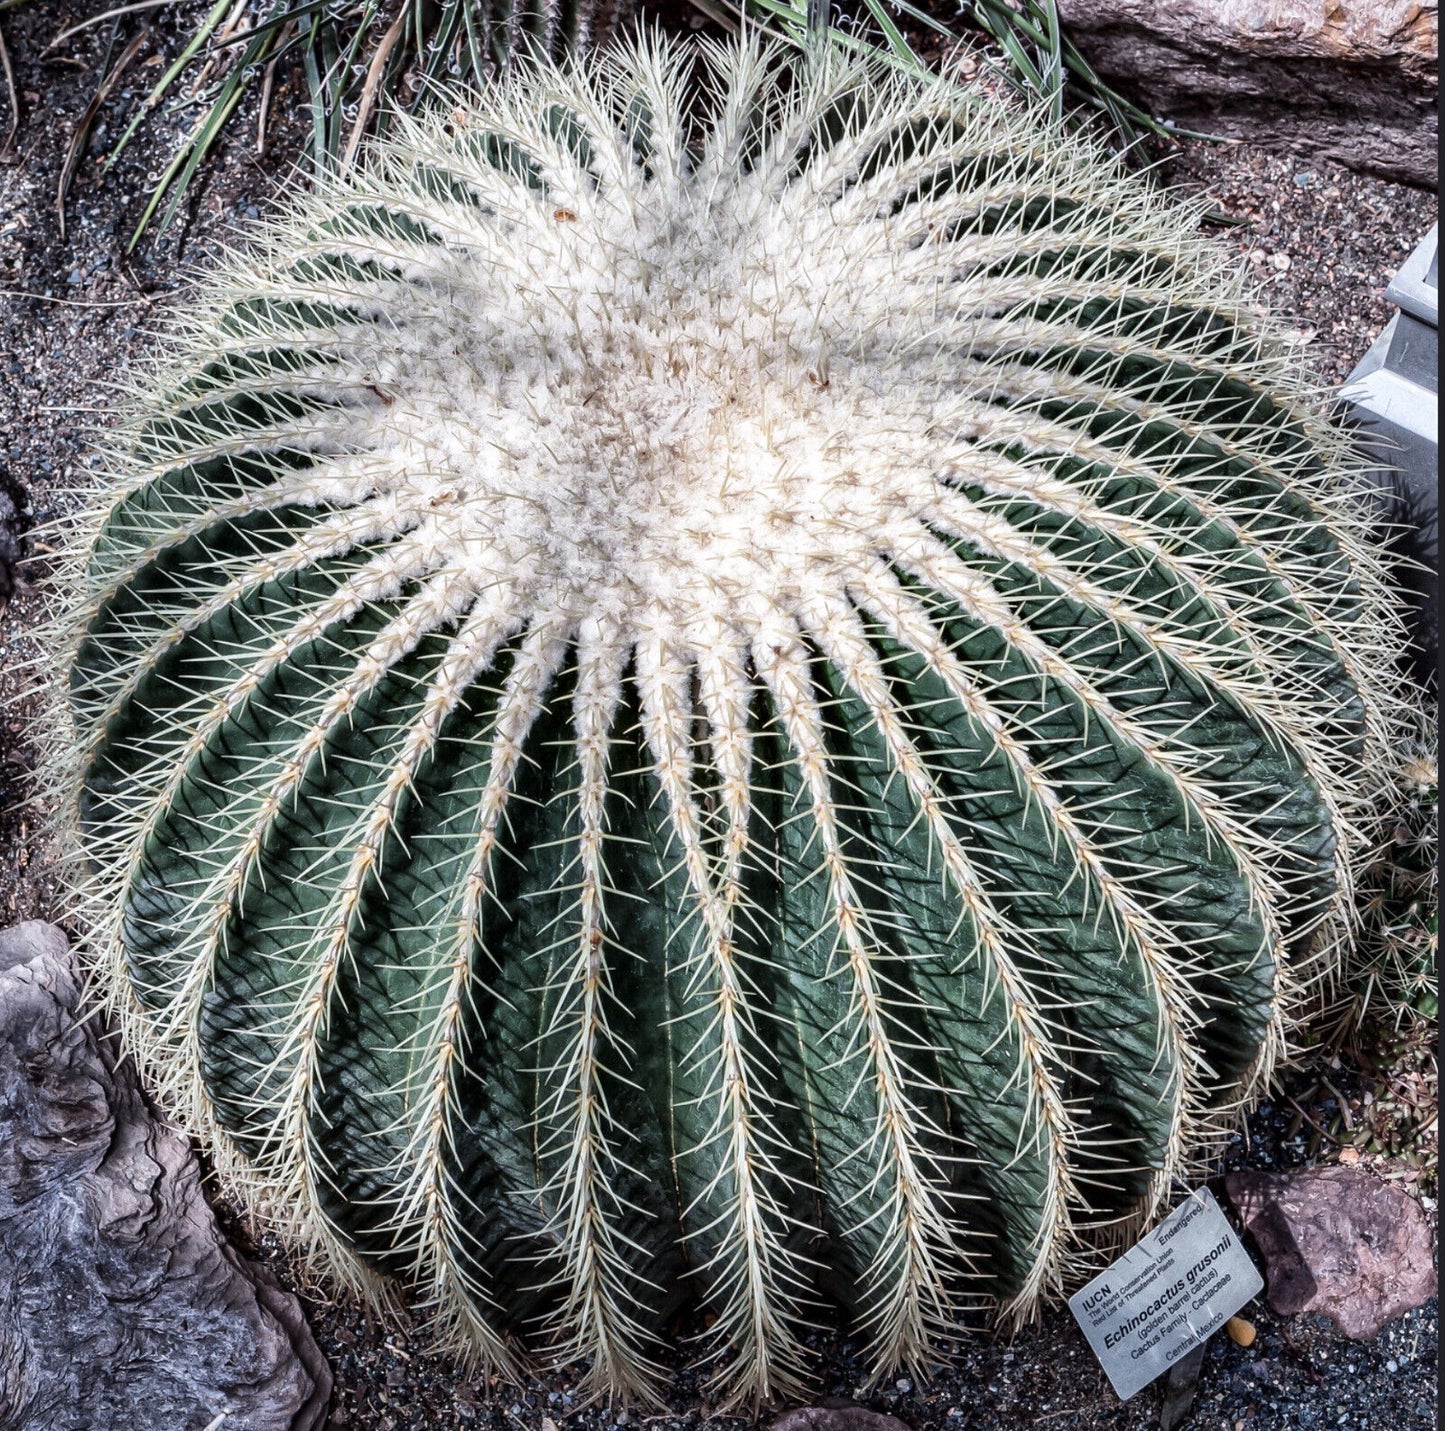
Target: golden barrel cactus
x,y
720,679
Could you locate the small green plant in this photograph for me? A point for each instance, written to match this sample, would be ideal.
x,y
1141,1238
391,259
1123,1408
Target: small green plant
x,y
720,679
1394,1123
1025,37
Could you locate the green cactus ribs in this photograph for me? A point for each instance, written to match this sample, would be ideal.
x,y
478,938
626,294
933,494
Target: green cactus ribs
x,y
727,681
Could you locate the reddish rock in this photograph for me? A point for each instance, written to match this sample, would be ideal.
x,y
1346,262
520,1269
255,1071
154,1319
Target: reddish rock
x,y
1337,1241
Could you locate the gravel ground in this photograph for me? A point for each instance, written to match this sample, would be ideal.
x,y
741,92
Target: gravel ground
x,y
1323,241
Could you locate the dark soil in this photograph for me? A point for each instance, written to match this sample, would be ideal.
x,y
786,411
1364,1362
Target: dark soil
x,y
75,313
1321,240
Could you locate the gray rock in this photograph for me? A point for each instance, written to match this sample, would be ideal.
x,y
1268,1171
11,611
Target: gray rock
x,y
1338,1241
34,939
837,1414
121,1304
1354,83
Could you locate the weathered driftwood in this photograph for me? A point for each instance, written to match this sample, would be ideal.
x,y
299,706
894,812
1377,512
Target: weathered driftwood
x,y
121,1304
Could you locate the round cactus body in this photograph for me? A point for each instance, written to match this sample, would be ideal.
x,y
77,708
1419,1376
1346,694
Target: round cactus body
x,y
726,682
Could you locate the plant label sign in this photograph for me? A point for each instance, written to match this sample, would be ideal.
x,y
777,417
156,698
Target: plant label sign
x,y
1171,1291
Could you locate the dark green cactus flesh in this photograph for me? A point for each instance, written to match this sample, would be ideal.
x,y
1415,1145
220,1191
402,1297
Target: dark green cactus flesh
x,y
727,688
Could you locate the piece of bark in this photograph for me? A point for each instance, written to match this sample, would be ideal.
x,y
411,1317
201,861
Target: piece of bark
x,y
121,1304
1353,83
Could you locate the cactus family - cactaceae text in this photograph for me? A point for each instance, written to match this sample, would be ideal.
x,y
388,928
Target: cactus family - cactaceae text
x,y
719,680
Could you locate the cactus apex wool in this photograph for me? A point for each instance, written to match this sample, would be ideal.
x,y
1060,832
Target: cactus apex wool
x,y
727,681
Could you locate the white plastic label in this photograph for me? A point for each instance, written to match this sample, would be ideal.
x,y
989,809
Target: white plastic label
x,y
1171,1291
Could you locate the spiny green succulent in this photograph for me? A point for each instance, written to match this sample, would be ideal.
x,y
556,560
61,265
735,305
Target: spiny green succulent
x,y
1393,972
720,681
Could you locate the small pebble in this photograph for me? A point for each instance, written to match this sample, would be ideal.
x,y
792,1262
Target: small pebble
x,y
1279,262
1305,178
1241,1332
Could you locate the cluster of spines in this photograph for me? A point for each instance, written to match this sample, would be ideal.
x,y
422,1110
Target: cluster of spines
x,y
1391,975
